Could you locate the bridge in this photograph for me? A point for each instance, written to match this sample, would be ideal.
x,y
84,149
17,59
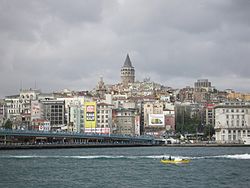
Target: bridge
x,y
35,138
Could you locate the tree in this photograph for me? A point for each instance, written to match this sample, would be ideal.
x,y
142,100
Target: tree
x,y
209,131
187,123
8,124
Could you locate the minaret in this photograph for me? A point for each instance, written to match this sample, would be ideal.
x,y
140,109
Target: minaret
x,y
127,72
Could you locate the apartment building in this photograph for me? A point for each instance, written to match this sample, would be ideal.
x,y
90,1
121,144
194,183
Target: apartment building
x,y
104,118
54,111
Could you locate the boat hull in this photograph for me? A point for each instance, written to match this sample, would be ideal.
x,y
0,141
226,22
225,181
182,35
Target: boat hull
x,y
182,161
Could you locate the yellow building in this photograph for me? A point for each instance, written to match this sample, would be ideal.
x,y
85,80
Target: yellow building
x,y
90,116
241,96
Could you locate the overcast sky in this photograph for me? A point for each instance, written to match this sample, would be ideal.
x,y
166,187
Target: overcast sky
x,y
57,44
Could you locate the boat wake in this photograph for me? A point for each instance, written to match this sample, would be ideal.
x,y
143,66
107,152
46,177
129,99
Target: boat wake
x,y
232,156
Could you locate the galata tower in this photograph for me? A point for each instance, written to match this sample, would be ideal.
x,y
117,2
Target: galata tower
x,y
127,72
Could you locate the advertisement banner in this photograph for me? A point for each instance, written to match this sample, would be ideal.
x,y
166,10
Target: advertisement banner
x,y
156,120
90,114
98,130
36,110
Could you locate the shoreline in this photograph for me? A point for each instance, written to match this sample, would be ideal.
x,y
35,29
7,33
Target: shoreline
x,y
65,146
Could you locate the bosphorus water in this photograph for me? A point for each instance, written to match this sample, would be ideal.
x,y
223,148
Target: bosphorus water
x,y
125,167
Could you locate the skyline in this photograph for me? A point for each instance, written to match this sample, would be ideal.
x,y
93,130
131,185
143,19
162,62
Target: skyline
x,y
64,44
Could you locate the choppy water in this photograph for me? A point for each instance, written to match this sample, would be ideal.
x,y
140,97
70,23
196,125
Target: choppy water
x,y
125,167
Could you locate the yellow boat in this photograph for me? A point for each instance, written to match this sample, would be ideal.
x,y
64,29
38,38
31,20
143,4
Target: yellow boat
x,y
175,161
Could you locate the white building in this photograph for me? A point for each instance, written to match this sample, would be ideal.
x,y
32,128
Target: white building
x,y
13,106
232,122
104,118
75,118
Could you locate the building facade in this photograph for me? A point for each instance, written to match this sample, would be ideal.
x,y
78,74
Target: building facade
x,y
75,118
154,118
2,113
210,114
54,111
202,83
232,122
104,118
124,121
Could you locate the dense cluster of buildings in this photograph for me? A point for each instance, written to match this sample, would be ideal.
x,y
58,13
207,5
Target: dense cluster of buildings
x,y
131,108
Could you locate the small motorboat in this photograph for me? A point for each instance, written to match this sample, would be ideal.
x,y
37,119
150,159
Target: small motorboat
x,y
174,161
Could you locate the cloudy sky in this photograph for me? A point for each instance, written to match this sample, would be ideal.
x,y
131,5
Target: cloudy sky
x,y
56,44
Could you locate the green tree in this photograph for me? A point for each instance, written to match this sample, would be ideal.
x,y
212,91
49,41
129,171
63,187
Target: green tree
x,y
8,124
185,123
209,131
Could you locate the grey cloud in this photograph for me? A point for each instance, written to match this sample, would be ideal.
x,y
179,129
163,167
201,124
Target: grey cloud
x,y
70,44
76,10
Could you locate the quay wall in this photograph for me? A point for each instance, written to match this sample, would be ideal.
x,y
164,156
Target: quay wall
x,y
58,146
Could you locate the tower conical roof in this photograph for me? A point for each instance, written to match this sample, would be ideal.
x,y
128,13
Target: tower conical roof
x,y
127,62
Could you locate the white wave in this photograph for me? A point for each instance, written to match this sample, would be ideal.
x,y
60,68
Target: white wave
x,y
232,156
69,157
235,156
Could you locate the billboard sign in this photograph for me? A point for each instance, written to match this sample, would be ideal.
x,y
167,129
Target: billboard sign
x,y
36,110
45,126
90,114
156,120
97,130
